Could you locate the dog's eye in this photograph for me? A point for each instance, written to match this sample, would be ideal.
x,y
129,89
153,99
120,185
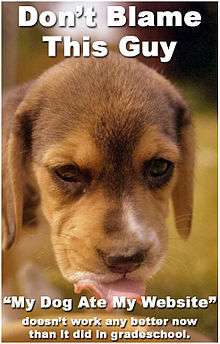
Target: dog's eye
x,y
158,171
68,173
158,167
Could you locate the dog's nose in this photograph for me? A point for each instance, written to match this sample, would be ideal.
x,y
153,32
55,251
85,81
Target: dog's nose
x,y
123,264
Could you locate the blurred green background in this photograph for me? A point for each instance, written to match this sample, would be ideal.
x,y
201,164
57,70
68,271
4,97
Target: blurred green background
x,y
191,266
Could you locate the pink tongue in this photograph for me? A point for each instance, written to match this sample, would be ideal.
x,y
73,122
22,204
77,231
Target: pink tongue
x,y
122,287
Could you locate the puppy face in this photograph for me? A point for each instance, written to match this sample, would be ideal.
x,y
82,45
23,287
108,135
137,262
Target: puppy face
x,y
106,152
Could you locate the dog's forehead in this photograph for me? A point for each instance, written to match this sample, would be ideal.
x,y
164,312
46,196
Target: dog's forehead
x,y
113,101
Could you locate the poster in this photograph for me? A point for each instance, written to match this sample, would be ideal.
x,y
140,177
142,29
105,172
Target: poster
x,y
109,152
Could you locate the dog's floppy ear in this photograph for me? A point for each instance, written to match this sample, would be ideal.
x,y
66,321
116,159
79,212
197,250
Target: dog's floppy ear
x,y
183,191
16,145
12,190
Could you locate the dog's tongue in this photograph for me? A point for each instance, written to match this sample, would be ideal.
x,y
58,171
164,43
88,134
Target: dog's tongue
x,y
122,287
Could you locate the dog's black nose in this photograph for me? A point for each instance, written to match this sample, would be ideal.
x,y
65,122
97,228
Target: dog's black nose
x,y
123,264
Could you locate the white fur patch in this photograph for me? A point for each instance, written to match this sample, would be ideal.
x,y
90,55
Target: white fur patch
x,y
132,223
153,238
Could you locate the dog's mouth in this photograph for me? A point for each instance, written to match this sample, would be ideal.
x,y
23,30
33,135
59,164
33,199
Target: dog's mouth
x,y
107,290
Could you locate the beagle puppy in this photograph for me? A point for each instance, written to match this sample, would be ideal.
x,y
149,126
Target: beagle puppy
x,y
100,146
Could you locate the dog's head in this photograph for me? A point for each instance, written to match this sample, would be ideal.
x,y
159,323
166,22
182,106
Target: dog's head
x,y
103,144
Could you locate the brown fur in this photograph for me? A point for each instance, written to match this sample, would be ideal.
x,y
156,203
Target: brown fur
x,y
109,116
